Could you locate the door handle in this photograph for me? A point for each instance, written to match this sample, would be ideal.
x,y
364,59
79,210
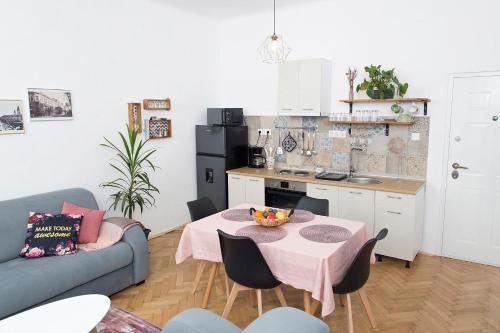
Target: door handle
x,y
458,166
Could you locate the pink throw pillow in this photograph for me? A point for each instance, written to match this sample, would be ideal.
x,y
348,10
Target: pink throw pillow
x,y
91,222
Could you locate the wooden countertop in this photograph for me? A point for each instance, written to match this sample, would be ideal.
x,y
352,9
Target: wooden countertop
x,y
388,184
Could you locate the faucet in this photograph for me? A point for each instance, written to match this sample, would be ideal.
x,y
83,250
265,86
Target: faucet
x,y
351,168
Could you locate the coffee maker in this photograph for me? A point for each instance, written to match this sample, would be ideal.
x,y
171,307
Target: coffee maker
x,y
256,157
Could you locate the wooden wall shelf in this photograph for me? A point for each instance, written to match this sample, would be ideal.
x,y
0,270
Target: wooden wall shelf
x,y
391,100
386,122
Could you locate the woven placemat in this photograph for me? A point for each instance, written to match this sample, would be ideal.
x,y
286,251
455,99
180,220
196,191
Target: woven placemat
x,y
301,216
237,215
324,233
261,234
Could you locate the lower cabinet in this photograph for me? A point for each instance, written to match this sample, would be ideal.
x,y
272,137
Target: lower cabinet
x,y
357,205
331,193
403,216
244,189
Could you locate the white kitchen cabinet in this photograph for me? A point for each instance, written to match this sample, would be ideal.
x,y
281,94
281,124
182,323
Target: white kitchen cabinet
x,y
255,192
243,189
403,216
236,190
305,87
331,193
357,205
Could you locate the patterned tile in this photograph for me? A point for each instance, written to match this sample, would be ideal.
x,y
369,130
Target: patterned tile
x,y
340,162
378,130
323,142
377,163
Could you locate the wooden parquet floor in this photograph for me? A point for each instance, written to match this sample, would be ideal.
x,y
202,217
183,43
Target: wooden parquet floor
x,y
435,295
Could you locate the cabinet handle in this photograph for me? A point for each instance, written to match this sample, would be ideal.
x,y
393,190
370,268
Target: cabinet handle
x,y
237,178
391,212
321,188
308,109
352,192
394,197
286,109
253,180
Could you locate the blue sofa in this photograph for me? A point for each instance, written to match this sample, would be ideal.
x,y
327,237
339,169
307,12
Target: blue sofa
x,y
25,283
278,320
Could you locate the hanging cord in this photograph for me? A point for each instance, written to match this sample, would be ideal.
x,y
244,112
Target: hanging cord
x,y
258,138
267,137
274,20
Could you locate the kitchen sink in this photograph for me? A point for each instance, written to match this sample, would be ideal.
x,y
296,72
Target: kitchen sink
x,y
363,180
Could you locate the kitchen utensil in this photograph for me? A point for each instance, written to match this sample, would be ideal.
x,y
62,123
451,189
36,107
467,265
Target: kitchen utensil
x,y
314,152
279,150
308,151
302,151
289,143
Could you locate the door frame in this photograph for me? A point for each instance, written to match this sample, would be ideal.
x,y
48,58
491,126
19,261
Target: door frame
x,y
446,147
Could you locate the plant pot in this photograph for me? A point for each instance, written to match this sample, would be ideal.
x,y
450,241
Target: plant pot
x,y
388,94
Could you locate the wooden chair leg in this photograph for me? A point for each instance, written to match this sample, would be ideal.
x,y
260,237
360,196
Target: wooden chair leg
x,y
307,301
280,296
230,300
227,283
199,273
342,299
259,301
368,309
211,279
349,314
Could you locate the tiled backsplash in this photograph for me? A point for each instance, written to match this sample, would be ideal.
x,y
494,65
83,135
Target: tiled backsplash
x,y
396,155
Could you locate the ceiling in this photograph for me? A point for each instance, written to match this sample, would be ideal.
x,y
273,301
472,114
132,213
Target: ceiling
x,y
223,9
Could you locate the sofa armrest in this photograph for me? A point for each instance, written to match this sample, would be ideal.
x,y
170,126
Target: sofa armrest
x,y
137,240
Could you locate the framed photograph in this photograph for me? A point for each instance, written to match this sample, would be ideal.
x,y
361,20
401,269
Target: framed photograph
x,y
50,104
11,116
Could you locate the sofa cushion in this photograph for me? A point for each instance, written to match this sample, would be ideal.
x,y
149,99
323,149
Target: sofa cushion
x,y
199,321
26,282
287,320
91,223
14,214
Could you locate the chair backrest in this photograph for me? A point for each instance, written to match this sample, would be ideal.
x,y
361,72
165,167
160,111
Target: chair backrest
x,y
359,271
316,206
201,208
244,262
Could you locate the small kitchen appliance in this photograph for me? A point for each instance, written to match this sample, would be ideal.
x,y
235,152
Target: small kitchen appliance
x,y
225,117
256,157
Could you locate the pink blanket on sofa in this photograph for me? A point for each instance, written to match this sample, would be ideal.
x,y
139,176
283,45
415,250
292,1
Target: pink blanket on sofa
x,y
111,232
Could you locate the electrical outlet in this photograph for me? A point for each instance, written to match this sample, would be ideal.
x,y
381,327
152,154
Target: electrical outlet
x,y
331,133
415,136
264,131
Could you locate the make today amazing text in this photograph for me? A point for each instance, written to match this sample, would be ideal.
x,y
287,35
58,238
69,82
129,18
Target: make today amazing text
x,y
52,231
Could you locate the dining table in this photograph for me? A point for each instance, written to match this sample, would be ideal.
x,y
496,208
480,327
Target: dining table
x,y
310,253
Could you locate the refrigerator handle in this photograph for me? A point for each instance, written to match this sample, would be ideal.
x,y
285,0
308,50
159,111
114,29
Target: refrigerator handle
x,y
209,175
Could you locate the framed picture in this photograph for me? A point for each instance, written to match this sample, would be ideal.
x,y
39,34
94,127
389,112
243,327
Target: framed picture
x,y
134,116
50,104
11,116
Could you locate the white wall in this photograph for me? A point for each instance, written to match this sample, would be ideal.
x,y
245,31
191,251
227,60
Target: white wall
x,y
108,53
424,40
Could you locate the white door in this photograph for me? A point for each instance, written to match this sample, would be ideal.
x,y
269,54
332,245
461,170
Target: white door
x,y
289,87
472,207
255,191
236,190
310,72
330,193
357,205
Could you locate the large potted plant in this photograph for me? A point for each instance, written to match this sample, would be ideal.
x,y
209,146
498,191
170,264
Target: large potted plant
x,y
382,84
133,188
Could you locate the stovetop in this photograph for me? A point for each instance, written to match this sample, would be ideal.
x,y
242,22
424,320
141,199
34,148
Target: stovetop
x,y
287,172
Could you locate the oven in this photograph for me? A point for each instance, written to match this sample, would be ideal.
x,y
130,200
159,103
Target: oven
x,y
284,194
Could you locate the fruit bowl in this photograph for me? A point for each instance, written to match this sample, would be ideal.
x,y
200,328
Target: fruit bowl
x,y
271,217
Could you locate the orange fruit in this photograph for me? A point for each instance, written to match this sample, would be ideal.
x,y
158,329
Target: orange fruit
x,y
258,214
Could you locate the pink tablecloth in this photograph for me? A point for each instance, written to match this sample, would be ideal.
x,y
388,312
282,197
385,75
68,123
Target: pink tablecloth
x,y
295,261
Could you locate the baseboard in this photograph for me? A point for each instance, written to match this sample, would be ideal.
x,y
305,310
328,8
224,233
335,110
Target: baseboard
x,y
166,231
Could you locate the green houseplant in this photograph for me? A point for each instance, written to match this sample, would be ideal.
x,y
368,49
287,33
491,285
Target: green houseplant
x,y
133,186
382,84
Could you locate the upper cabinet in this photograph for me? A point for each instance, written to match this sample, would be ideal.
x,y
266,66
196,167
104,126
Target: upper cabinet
x,y
305,87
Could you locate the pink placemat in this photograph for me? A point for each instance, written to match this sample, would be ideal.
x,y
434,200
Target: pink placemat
x,y
324,233
237,215
301,216
261,234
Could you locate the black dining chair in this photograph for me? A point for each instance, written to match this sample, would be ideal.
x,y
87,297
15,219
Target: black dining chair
x,y
355,278
246,266
316,206
199,209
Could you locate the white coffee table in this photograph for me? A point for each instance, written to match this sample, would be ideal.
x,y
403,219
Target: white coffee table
x,y
75,314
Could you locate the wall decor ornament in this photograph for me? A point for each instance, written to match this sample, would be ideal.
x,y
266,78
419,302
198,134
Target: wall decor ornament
x,y
134,117
159,128
156,104
351,76
50,104
11,116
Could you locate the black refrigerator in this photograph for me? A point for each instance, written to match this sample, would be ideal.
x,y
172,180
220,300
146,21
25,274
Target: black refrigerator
x,y
218,149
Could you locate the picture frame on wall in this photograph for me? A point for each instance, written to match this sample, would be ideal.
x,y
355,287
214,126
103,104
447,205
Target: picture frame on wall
x,y
50,104
11,116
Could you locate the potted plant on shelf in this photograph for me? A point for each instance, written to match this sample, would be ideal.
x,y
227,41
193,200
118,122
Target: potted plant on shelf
x,y
382,84
133,187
